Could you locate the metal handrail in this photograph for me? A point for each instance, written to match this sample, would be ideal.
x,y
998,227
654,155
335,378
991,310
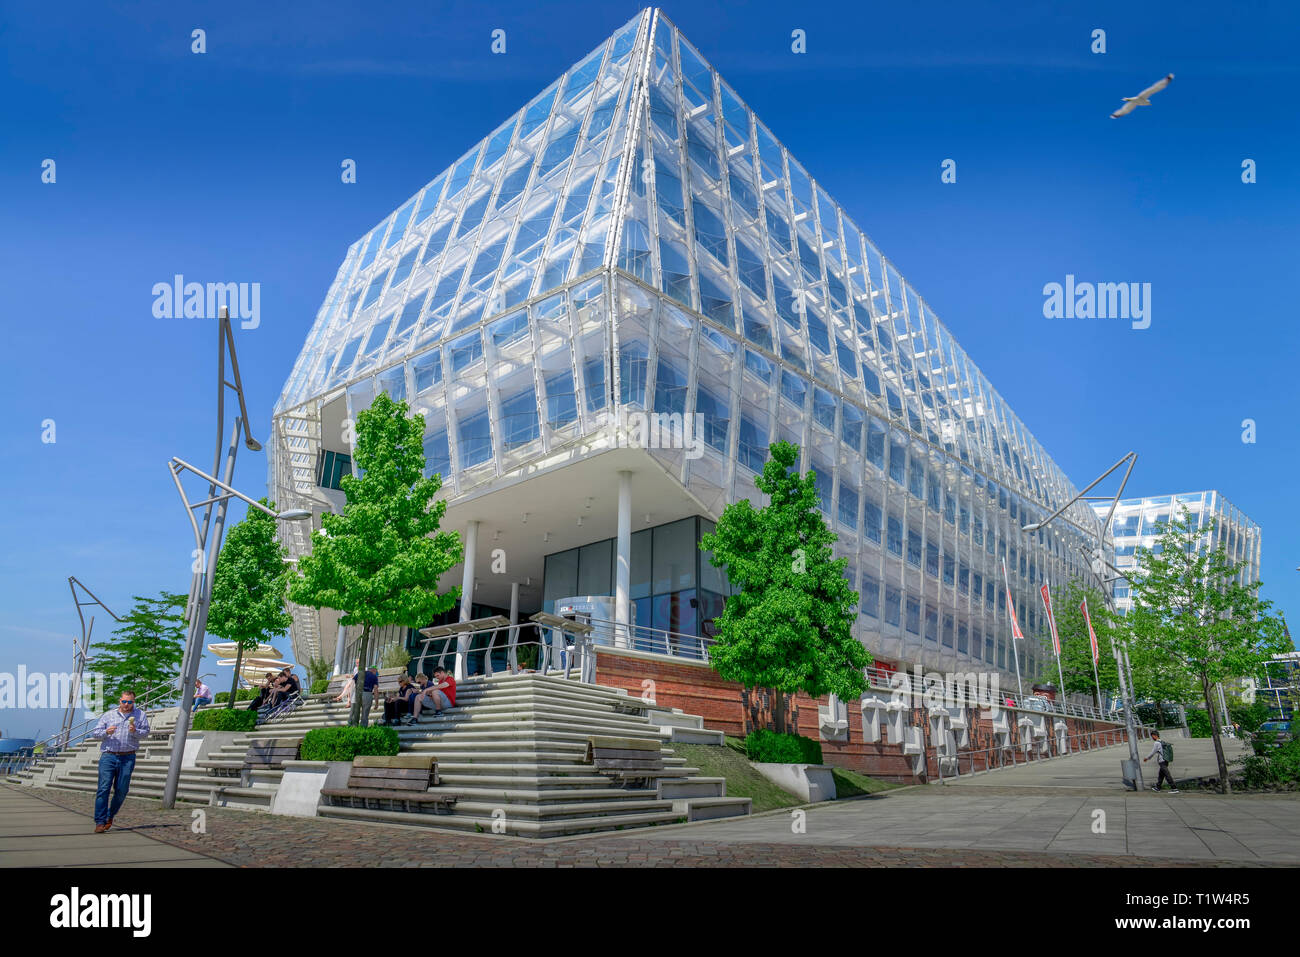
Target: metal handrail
x,y
75,736
673,644
1031,754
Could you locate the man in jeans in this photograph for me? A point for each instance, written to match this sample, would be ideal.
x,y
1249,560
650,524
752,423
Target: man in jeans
x,y
1158,752
120,730
202,695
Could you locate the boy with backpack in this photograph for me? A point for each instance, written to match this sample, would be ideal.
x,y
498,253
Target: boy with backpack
x,y
1163,752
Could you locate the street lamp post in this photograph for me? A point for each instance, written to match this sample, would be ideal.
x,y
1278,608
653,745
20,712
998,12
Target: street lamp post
x,y
1098,564
201,589
208,539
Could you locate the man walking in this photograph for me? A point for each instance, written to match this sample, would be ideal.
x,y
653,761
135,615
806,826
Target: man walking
x,y
120,730
1162,758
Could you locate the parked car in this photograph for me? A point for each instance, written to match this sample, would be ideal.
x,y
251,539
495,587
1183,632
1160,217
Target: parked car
x,y
1281,730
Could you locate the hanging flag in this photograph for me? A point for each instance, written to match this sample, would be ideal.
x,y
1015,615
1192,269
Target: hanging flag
x,y
1092,635
1011,605
1051,619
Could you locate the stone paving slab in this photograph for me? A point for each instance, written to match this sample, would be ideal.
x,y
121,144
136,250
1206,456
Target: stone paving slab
x,y
1233,830
40,833
244,838
1193,758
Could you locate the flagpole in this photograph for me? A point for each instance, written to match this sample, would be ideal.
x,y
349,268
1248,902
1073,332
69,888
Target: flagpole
x,y
1056,639
1020,688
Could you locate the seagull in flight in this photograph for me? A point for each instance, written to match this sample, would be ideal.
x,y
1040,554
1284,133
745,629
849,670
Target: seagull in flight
x,y
1143,98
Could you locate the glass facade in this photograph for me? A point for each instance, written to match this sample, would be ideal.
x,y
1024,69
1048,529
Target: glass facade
x,y
673,585
1136,521
636,239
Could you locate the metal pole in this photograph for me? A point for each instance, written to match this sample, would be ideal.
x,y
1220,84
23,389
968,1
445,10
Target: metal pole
x,y
1128,720
198,626
1097,681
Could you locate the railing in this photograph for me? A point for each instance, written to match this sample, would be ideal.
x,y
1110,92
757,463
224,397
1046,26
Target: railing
x,y
1031,753
673,644
56,744
557,650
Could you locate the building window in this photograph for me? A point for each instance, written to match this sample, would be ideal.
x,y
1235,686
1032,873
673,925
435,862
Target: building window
x,y
519,419
331,467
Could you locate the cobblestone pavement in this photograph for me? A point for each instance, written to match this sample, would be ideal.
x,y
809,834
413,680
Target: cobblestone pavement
x,y
251,839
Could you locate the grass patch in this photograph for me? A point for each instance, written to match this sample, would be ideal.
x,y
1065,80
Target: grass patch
x,y
743,781
850,783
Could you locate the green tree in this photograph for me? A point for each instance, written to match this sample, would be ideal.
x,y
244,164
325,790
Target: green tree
x,y
146,648
787,624
248,587
1076,648
379,562
1191,610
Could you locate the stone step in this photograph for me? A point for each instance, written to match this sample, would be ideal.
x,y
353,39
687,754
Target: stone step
x,y
696,736
597,796
691,787
711,808
526,782
515,826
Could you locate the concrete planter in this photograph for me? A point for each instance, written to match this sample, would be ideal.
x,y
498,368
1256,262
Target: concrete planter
x,y
812,782
298,794
199,744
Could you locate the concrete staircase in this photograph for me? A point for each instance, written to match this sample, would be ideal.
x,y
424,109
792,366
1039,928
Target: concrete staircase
x,y
510,753
86,755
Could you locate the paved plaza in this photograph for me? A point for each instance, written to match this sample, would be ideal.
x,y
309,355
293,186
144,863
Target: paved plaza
x,y
1100,769
915,827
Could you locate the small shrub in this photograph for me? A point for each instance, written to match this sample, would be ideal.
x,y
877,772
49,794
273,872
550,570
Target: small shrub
x,y
344,744
225,719
396,656
1198,723
243,694
319,685
771,747
318,668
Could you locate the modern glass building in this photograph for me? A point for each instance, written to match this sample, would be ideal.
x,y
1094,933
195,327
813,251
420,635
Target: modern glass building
x,y
636,240
1136,520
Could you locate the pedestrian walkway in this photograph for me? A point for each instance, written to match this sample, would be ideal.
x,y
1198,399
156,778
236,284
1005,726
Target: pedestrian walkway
x,y
243,838
38,833
1100,769
1232,830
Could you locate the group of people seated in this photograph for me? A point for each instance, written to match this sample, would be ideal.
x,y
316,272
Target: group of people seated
x,y
275,689
404,705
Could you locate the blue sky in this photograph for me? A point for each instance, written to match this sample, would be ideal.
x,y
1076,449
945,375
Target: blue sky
x,y
225,166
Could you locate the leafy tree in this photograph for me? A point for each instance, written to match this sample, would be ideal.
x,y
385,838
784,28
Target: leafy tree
x,y
1191,611
146,649
1076,649
248,588
787,625
379,562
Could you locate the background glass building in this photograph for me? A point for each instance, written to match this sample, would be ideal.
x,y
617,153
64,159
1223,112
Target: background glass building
x,y
635,239
1134,526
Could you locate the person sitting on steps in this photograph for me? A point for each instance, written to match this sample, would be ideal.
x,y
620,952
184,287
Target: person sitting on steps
x,y
439,693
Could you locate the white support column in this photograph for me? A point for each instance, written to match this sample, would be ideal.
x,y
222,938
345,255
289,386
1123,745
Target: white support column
x,y
623,562
512,655
466,596
339,649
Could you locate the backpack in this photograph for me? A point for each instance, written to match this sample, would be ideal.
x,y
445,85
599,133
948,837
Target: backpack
x,y
1167,751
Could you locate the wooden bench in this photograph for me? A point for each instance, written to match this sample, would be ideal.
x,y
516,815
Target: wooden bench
x,y
336,686
626,760
398,782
